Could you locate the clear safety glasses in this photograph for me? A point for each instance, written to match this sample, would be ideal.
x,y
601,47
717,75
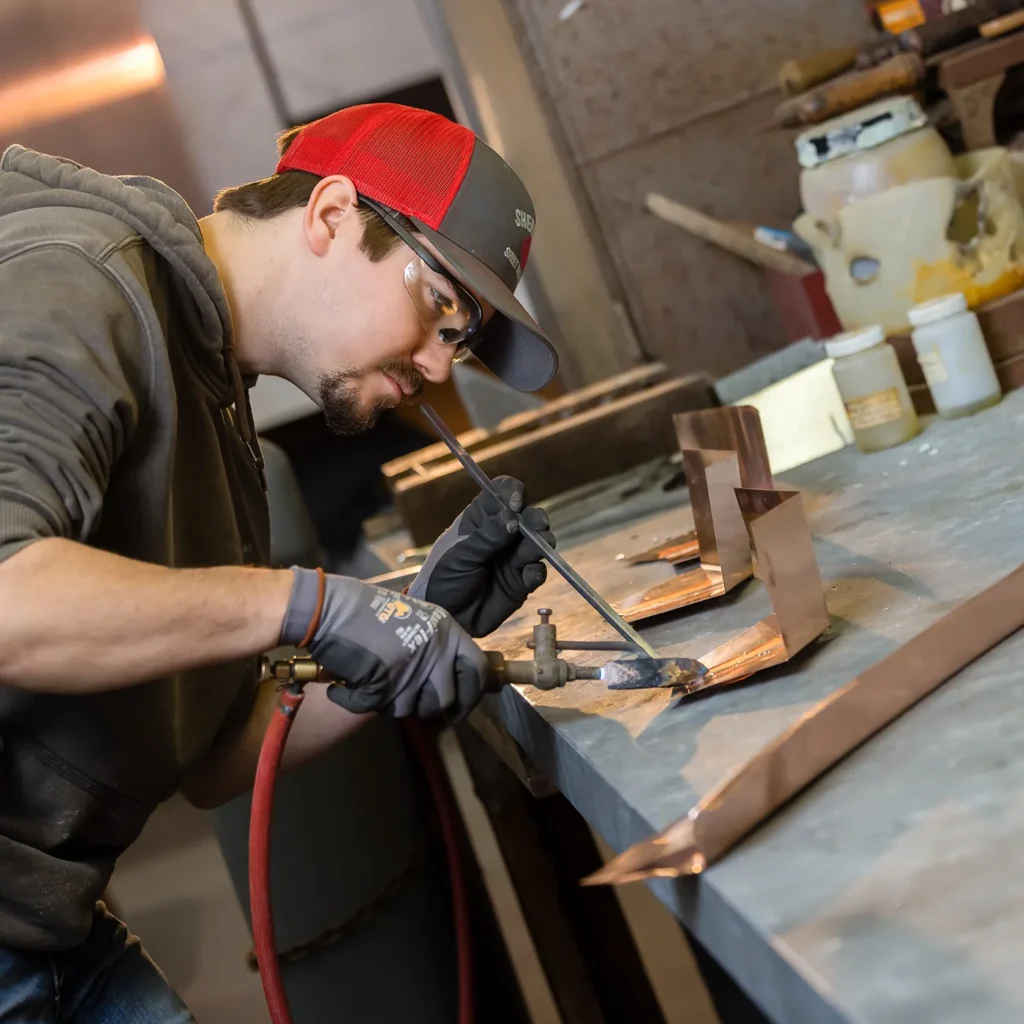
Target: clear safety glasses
x,y
448,312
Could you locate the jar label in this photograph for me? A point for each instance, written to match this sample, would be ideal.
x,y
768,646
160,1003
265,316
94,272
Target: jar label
x,y
933,367
874,410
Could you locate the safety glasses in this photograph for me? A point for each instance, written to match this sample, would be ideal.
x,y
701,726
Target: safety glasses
x,y
448,312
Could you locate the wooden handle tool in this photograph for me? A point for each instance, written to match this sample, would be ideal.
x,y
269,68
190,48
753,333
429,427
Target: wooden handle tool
x,y
899,74
954,29
725,236
1001,26
797,76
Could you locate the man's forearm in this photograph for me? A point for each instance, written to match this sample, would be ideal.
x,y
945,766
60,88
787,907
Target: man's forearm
x,y
77,619
229,769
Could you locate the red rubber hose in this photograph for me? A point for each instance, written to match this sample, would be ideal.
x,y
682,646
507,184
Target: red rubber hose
x,y
260,822
259,854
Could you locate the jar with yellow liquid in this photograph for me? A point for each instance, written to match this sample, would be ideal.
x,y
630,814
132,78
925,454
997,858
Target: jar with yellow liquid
x,y
873,390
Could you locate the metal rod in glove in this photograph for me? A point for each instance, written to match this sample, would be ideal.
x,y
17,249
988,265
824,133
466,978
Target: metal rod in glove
x,y
557,562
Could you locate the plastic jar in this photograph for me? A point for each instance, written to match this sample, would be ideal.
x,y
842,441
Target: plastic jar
x,y
873,390
868,151
953,356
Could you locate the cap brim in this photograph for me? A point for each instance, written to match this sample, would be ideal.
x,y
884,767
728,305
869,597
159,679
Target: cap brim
x,y
512,345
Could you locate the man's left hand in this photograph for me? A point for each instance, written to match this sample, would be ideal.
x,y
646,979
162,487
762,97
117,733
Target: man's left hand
x,y
482,569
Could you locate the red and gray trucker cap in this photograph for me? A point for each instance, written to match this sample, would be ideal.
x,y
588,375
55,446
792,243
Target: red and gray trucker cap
x,y
461,195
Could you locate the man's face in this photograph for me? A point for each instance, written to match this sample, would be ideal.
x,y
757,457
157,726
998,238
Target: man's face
x,y
409,353
364,345
348,400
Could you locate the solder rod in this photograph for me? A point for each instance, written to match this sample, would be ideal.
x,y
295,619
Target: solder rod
x,y
568,573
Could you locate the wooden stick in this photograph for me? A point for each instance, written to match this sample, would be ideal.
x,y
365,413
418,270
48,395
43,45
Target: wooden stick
x,y
899,74
1000,26
797,76
733,240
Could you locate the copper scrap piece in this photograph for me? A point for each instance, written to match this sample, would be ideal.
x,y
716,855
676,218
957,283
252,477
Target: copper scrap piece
x,y
713,477
734,428
823,736
675,550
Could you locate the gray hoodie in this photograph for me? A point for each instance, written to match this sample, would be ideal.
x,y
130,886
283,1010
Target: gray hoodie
x,y
116,429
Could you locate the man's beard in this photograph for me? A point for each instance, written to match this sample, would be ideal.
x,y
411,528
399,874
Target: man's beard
x,y
340,400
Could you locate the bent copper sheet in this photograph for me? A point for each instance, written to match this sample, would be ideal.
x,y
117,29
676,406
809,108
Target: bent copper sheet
x,y
734,428
778,532
730,428
713,477
823,736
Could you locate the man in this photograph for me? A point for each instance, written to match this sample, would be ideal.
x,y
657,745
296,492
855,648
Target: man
x,y
132,515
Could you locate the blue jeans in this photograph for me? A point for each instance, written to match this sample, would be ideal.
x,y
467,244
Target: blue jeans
x,y
108,979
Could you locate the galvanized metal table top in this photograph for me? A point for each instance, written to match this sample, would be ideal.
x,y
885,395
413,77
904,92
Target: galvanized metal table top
x,y
891,891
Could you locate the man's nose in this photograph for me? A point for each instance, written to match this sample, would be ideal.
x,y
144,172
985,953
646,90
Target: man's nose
x,y
434,359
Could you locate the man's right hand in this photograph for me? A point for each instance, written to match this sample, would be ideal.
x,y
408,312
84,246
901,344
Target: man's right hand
x,y
395,654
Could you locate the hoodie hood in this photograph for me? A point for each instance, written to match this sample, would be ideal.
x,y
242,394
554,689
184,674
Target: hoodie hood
x,y
156,213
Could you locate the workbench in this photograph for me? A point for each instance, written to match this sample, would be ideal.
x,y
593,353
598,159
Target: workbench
x,y
892,890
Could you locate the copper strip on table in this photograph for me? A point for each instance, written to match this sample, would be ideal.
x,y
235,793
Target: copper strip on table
x,y
823,736
676,550
713,477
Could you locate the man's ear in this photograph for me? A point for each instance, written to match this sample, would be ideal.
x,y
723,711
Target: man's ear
x,y
332,208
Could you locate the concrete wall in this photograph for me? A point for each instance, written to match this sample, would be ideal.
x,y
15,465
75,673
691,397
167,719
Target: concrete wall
x,y
325,53
576,289
670,96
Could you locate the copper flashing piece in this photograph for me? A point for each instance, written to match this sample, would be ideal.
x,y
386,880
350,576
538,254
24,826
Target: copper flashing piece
x,y
778,532
781,539
734,428
725,559
823,736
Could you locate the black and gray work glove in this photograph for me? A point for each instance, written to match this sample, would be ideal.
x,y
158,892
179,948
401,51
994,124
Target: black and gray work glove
x,y
482,569
394,654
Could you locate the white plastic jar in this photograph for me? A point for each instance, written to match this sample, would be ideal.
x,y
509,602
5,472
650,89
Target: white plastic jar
x,y
953,356
868,151
873,390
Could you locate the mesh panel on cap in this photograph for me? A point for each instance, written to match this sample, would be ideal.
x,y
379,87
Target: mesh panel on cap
x,y
411,160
